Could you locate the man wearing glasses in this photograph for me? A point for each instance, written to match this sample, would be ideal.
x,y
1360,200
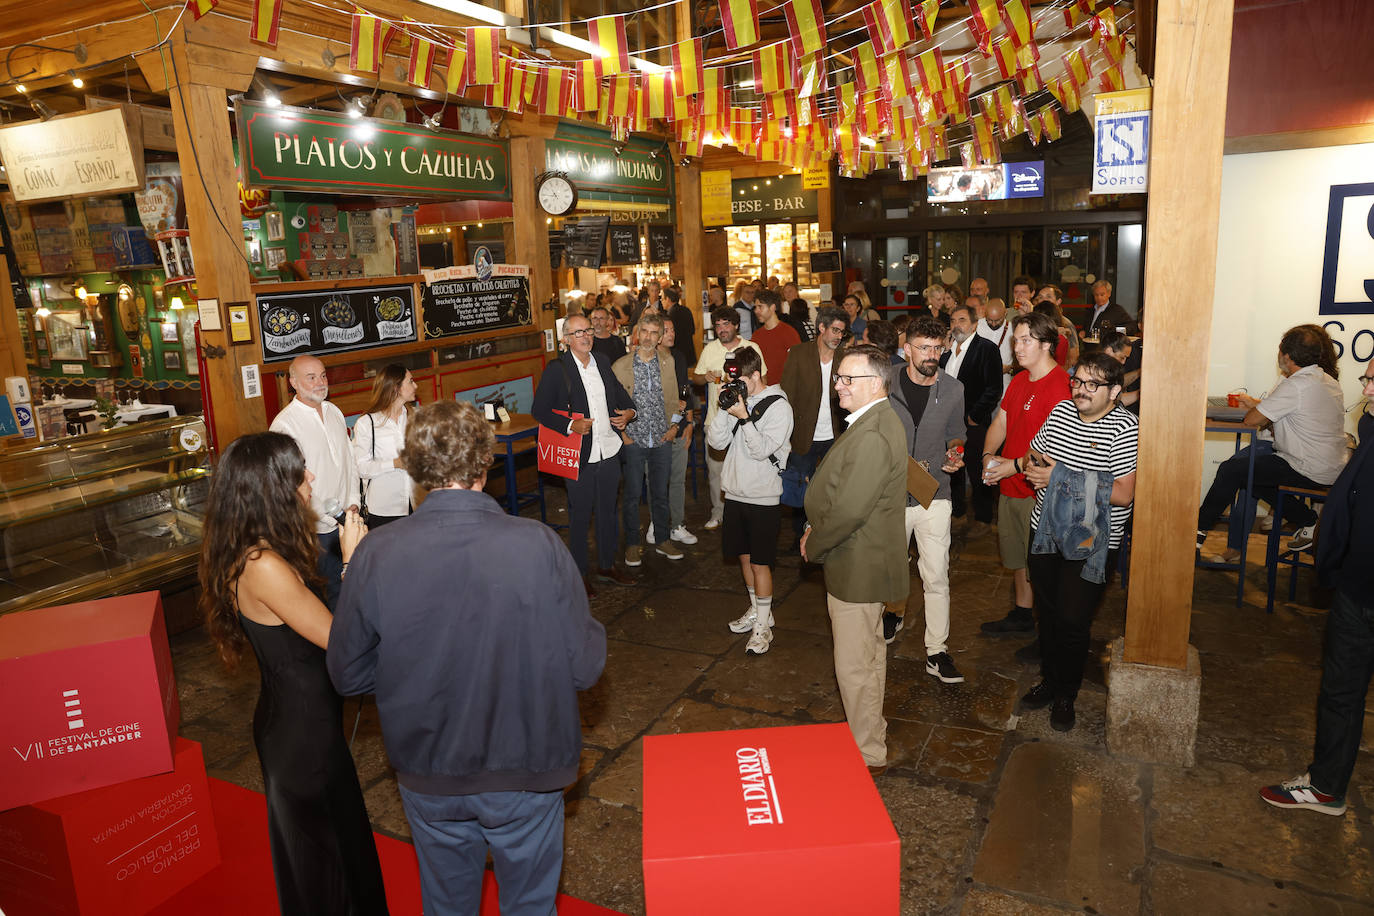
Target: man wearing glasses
x,y
856,504
1082,465
581,382
710,369
1029,399
930,404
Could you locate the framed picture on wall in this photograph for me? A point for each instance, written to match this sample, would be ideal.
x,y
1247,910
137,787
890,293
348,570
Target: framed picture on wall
x,y
275,258
254,250
169,331
275,224
171,359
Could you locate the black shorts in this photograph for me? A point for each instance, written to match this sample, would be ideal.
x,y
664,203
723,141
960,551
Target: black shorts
x,y
751,529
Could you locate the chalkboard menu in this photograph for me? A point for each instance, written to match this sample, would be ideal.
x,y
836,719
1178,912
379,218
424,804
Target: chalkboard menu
x,y
825,262
624,242
662,247
464,306
585,241
335,321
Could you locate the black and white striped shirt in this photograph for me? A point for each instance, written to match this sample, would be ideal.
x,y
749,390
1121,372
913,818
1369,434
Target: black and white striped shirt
x,y
1108,445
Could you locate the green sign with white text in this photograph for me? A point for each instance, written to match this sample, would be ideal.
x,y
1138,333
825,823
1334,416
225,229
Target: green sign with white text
x,y
306,150
643,168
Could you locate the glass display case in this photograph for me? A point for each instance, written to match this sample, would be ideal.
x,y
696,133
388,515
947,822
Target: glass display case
x,y
103,514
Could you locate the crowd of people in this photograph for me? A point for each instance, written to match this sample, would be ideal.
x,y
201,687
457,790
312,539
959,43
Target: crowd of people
x,y
872,435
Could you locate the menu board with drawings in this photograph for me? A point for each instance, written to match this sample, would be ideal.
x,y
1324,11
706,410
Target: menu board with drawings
x,y
335,320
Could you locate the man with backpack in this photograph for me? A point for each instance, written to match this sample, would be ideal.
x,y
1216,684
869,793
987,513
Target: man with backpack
x,y
754,422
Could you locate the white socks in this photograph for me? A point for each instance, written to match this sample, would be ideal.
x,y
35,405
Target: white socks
x,y
763,607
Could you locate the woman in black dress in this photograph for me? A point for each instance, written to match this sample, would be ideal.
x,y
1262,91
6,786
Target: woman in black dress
x,y
257,565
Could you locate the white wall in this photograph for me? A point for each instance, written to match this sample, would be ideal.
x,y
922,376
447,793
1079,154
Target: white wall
x,y
1270,249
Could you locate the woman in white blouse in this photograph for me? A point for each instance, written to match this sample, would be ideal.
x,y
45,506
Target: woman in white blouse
x,y
378,437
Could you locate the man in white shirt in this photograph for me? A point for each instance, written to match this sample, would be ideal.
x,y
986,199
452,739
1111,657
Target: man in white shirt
x,y
995,327
322,436
710,369
807,381
581,382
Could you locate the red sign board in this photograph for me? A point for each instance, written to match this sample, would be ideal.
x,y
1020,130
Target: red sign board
x,y
796,804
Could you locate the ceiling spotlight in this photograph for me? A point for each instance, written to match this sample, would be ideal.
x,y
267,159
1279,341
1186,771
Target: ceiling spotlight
x,y
620,149
272,100
685,161
43,109
22,88
77,81
431,122
357,106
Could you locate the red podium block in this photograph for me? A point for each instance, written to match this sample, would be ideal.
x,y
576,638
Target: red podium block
x,y
768,820
120,849
89,697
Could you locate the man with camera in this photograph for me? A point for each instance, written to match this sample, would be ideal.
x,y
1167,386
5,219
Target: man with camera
x,y
710,370
754,422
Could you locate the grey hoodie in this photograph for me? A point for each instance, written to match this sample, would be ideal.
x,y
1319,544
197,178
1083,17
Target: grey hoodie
x,y
748,476
942,421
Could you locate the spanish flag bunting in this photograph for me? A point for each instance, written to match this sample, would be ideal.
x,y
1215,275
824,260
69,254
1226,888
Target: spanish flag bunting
x,y
456,82
531,86
1112,80
508,91
688,62
620,95
923,109
1004,52
620,129
926,11
1034,127
812,75
744,124
1065,91
846,102
959,75
889,25
692,146
1104,23
423,54
982,19
1077,67
1028,79
607,33
199,8
1005,103
930,66
898,78
985,146
808,112
775,70
740,21
1114,49
1049,118
266,21
933,138
780,105
954,105
805,25
875,116
679,105
551,89
1077,11
713,98
968,157
1027,54
653,94
912,166
867,73
587,87
1016,16
484,54
368,42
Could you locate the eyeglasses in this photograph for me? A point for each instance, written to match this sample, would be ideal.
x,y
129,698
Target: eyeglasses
x,y
1367,380
1088,385
932,349
848,380
580,332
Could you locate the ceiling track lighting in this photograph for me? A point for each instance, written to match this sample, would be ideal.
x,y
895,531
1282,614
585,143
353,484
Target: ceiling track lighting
x,y
42,109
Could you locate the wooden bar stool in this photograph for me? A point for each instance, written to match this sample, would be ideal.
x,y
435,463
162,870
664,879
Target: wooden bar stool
x,y
1277,553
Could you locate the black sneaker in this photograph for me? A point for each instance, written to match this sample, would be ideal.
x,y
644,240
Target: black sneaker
x,y
1038,697
1029,654
1018,621
941,666
1061,715
892,625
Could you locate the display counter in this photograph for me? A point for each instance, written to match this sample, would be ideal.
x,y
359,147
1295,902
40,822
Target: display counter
x,y
102,514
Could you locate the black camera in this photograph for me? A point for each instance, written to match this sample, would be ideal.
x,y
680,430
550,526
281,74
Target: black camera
x,y
732,389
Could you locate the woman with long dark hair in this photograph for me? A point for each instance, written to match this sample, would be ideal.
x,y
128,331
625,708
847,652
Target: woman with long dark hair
x,y
256,571
378,437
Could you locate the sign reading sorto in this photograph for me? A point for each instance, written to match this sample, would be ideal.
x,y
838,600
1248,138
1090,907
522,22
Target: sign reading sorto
x,y
335,321
319,151
459,300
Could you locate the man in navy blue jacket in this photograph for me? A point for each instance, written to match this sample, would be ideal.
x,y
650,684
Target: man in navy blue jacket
x,y
472,629
1345,562
977,363
581,382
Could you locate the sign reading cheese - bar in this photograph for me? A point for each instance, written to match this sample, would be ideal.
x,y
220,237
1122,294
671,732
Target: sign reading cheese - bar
x,y
304,150
81,155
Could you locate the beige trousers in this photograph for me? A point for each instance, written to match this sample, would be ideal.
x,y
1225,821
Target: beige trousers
x,y
861,670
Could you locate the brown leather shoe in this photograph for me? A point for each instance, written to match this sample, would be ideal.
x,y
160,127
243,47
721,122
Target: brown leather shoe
x,y
611,574
877,771
591,592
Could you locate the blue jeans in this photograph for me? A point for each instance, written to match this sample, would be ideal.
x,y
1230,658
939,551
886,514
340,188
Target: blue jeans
x,y
452,833
1347,666
797,477
659,461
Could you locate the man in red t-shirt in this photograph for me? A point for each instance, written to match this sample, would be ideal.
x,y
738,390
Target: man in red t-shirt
x,y
773,336
1028,401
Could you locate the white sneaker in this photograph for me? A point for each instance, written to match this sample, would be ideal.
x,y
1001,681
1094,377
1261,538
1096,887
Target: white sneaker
x,y
1266,524
759,642
1303,538
682,535
649,535
746,623
711,523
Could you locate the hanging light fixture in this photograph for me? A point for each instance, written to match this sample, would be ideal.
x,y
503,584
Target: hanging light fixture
x,y
177,305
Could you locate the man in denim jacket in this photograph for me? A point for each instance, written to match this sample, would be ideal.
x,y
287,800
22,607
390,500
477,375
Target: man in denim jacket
x,y
1090,434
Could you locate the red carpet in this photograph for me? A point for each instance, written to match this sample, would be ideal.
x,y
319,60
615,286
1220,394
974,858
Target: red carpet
x,y
243,882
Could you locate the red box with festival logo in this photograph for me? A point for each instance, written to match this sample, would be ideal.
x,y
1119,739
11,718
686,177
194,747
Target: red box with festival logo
x,y
90,699
768,820
118,849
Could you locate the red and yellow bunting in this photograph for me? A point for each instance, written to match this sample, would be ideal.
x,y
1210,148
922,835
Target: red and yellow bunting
x,y
713,95
889,25
1004,52
805,25
688,62
484,54
423,55
1077,11
199,8
981,21
900,82
1077,67
812,75
456,82
925,13
266,21
867,73
365,41
607,33
587,87
959,75
775,70
739,20
1016,16
1065,91
552,91
930,67
1049,119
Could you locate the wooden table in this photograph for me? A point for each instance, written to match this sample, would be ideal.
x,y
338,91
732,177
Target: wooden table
x,y
519,435
1244,502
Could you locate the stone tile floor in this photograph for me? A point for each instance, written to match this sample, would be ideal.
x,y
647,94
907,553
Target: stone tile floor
x,y
997,813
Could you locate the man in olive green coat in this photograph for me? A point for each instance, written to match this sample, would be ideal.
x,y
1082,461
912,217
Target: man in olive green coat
x,y
856,504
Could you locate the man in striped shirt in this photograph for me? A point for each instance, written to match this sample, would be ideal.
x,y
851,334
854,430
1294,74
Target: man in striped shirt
x,y
1091,433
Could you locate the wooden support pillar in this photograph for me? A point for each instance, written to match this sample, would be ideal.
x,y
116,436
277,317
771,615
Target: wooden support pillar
x,y
687,185
531,235
209,179
1189,114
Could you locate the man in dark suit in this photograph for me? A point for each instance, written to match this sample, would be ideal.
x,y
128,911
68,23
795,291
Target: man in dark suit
x,y
808,382
581,382
857,506
977,363
1106,314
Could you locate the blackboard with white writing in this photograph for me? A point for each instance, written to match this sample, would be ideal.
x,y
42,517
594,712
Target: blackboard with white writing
x,y
624,242
464,306
662,246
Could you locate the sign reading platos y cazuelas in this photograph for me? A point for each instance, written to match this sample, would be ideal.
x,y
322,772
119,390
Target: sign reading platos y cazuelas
x,y
305,150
